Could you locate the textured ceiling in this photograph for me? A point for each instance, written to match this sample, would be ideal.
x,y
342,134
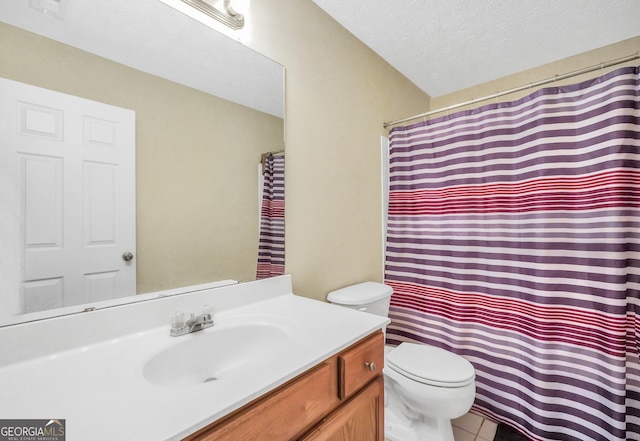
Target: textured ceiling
x,y
152,37
448,45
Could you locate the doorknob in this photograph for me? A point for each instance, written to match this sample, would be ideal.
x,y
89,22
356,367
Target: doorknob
x,y
127,257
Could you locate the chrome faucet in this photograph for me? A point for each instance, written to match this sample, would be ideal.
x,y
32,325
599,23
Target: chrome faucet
x,y
195,323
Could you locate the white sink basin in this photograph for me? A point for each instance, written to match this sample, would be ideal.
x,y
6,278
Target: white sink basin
x,y
216,354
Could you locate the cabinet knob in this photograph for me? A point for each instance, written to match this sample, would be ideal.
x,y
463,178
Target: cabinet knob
x,y
371,365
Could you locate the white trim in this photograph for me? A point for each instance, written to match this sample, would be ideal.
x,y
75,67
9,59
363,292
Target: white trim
x,y
384,167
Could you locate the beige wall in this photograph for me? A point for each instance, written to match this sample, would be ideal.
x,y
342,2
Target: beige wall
x,y
338,94
196,171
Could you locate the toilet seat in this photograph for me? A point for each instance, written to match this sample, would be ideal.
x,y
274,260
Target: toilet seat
x,y
430,365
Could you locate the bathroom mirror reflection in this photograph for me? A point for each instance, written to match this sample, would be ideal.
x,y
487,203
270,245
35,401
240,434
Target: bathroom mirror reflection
x,y
206,109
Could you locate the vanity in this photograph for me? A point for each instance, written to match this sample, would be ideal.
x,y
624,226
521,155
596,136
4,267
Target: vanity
x,y
275,366
341,398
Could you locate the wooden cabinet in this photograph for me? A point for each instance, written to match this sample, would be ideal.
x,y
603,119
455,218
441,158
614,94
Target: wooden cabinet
x,y
340,399
360,418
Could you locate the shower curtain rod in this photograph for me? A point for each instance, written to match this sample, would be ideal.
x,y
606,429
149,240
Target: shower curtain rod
x,y
264,156
518,89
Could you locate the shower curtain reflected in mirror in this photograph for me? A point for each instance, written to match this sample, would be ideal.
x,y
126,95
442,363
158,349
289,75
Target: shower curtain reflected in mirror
x,y
271,242
514,241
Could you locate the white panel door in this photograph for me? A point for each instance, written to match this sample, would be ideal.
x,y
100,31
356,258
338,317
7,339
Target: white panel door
x,y
67,200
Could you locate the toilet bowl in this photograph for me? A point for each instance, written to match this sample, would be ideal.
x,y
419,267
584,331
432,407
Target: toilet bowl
x,y
425,386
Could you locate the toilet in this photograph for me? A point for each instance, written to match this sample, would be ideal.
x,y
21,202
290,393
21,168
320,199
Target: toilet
x,y
425,386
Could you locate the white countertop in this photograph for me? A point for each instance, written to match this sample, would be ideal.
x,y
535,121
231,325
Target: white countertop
x,y
100,391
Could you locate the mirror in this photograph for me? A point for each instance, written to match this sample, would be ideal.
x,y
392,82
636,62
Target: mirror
x,y
206,108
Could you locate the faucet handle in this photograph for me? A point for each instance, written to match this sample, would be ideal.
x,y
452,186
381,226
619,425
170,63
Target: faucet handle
x,y
207,311
177,320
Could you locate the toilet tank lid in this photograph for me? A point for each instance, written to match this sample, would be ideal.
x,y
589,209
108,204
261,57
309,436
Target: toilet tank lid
x,y
360,294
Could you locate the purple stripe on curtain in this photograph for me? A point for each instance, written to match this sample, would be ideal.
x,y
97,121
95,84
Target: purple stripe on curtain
x,y
271,245
514,241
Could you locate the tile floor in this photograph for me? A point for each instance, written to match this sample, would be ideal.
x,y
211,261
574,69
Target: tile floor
x,y
473,427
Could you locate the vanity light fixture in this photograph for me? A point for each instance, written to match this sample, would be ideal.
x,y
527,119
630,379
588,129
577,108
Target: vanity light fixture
x,y
56,8
230,14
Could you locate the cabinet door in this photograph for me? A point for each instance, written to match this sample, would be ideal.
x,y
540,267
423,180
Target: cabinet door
x,y
360,364
283,414
360,418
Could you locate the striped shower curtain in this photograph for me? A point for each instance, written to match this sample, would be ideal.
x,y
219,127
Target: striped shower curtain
x,y
271,242
513,241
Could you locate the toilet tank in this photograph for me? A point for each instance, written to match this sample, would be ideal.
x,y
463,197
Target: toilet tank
x,y
371,297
